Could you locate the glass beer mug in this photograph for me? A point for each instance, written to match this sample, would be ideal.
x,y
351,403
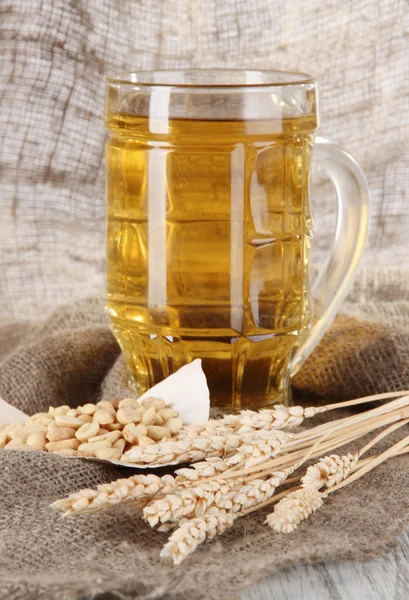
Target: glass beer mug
x,y
209,228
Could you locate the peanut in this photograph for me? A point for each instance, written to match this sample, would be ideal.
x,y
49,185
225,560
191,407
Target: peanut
x,y
108,453
167,413
37,440
86,453
14,430
158,419
115,402
95,446
157,433
87,431
63,445
132,432
30,428
88,409
149,417
174,425
129,402
103,416
67,452
119,445
68,421
113,426
129,415
157,404
57,434
16,442
59,410
38,417
144,440
85,418
73,412
46,421
106,405
112,437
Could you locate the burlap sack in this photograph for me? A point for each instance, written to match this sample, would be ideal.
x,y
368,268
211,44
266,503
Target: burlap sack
x,y
72,358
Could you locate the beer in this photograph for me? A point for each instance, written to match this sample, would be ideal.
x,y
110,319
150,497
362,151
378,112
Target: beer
x,y
208,247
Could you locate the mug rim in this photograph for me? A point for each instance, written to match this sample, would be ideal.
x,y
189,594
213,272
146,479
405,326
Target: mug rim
x,y
164,76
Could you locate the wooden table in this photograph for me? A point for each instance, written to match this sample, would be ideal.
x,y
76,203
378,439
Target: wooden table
x,y
386,578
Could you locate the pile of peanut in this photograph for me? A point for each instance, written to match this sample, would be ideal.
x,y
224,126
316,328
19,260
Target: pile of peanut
x,y
103,430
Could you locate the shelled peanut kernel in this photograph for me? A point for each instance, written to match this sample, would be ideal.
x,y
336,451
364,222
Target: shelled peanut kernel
x,y
104,430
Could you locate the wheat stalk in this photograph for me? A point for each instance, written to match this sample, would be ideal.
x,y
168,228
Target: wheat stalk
x,y
241,460
138,489
215,467
223,437
192,532
294,508
333,472
221,514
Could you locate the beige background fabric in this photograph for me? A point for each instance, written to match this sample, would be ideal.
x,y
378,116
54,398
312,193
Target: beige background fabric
x,y
54,57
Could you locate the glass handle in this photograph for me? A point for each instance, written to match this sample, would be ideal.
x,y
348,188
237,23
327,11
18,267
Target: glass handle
x,y
334,281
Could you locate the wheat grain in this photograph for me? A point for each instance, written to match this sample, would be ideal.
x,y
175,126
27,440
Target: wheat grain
x,y
137,488
294,508
191,501
329,471
192,532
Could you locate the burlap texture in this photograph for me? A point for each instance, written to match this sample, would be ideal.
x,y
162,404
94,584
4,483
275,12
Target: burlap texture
x,y
54,57
72,358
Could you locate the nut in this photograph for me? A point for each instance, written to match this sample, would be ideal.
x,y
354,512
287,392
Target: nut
x,y
12,428
57,434
63,445
174,425
59,410
16,442
68,421
119,445
129,402
87,431
144,440
95,446
149,416
157,433
113,426
155,402
158,419
46,421
73,412
115,402
85,418
37,418
132,432
106,405
129,415
111,436
28,429
67,452
103,416
108,453
87,409
167,413
36,440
